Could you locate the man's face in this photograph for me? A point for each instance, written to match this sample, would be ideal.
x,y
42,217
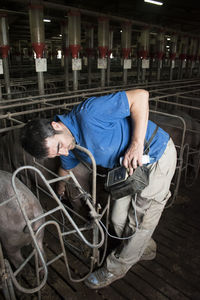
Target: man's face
x,y
60,144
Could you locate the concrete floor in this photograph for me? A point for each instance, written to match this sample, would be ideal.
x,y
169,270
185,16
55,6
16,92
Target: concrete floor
x,y
173,274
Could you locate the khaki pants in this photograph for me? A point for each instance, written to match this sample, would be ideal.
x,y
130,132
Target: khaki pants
x,y
149,205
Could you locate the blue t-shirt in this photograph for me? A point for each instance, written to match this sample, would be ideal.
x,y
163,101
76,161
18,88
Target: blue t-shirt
x,y
103,126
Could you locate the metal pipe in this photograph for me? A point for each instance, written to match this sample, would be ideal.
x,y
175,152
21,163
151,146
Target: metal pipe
x,y
86,93
4,47
160,51
89,71
65,46
37,39
89,50
60,205
103,43
65,105
66,66
110,46
180,83
144,52
173,50
40,76
171,69
1,91
125,76
103,77
7,77
126,48
108,70
183,56
74,23
75,80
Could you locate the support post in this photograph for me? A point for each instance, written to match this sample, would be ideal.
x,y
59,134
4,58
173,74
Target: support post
x,y
103,41
65,49
74,23
4,48
143,58
37,40
126,49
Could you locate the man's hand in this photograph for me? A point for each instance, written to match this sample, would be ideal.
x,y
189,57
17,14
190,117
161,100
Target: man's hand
x,y
60,188
61,185
139,110
133,157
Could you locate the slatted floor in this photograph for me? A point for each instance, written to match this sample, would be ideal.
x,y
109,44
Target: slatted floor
x,y
174,274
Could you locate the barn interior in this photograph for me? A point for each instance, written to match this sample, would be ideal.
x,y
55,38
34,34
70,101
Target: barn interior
x,y
55,54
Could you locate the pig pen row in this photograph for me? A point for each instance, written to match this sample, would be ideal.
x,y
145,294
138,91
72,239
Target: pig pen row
x,y
177,103
26,87
16,112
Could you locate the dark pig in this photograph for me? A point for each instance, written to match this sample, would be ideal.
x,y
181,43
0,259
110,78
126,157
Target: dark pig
x,y
174,127
13,229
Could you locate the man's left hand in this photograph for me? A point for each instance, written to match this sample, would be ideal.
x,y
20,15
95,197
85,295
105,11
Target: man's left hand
x,y
133,157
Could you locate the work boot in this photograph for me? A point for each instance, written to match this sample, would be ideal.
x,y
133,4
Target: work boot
x,y
101,278
150,251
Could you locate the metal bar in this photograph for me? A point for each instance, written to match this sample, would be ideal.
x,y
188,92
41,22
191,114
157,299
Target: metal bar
x,y
65,105
118,87
60,205
175,103
58,179
64,252
6,76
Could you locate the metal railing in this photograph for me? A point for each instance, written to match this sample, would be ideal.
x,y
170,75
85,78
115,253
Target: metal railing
x,y
96,228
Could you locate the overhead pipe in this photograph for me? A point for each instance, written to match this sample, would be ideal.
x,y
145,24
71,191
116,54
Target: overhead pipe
x,y
65,50
4,48
38,42
126,49
103,42
74,24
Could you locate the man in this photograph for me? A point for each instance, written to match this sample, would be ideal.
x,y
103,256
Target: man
x,y
111,127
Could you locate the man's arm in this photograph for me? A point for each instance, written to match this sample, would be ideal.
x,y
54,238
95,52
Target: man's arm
x,y
61,184
139,110
81,173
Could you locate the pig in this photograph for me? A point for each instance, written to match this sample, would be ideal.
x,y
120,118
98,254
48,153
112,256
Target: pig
x,y
174,127
14,232
169,124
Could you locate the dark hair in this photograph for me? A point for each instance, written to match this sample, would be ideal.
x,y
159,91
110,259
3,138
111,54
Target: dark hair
x,y
33,137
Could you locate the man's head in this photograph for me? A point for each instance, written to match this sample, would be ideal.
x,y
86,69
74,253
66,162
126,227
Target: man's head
x,y
44,138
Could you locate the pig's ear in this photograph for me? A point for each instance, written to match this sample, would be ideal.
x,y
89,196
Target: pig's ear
x,y
56,125
26,230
